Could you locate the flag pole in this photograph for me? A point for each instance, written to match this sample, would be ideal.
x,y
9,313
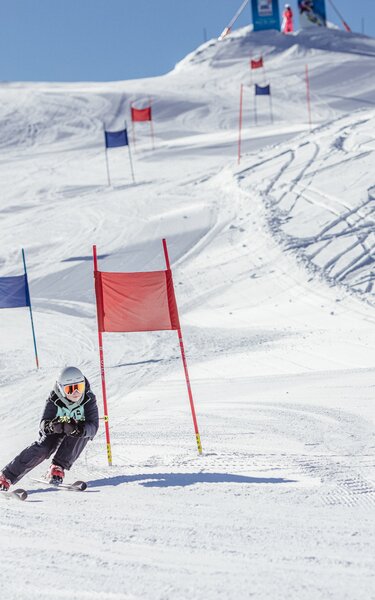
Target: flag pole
x,y
130,154
346,26
106,157
133,126
184,362
232,22
101,355
240,125
308,94
271,111
28,299
255,106
264,73
152,127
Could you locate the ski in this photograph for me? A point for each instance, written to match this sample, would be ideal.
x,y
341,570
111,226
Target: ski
x,y
18,494
76,486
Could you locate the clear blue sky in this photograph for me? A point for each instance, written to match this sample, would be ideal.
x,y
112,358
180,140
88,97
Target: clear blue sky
x,y
73,40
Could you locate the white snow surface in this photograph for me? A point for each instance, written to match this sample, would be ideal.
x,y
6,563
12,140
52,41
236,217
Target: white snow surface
x,y
273,264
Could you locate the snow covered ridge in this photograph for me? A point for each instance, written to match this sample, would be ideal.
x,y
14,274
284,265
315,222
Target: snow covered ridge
x,y
242,43
321,196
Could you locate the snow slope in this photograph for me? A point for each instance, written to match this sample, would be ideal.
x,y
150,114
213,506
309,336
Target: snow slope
x,y
273,269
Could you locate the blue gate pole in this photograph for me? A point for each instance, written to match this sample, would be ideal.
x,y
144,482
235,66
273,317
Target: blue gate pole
x,y
30,309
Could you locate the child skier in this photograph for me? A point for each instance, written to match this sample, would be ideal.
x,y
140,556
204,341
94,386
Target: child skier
x,y
70,419
287,24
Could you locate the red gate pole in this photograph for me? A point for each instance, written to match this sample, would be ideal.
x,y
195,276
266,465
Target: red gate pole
x,y
308,94
102,371
183,356
240,124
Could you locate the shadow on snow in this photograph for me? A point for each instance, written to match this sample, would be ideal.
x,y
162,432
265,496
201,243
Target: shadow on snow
x,y
183,479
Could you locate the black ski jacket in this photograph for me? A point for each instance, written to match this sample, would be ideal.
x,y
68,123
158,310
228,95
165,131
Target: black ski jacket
x,y
87,411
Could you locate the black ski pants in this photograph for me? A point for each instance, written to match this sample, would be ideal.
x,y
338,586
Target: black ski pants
x,y
68,450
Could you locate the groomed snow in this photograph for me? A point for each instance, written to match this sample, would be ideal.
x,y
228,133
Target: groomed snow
x,y
273,264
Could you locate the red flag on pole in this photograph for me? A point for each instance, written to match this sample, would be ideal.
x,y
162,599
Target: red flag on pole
x,y
136,301
141,114
256,64
128,302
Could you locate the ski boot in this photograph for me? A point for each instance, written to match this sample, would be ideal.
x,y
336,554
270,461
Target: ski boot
x,y
55,475
4,483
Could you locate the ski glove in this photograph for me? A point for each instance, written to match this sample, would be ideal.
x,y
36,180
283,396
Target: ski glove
x,y
74,428
53,426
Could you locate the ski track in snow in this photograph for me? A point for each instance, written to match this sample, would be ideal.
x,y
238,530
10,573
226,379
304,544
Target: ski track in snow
x,y
346,236
273,264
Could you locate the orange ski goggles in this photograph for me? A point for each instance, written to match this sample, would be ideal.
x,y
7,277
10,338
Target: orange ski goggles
x,y
72,387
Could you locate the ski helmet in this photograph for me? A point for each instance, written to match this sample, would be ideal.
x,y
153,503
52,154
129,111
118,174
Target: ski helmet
x,y
70,376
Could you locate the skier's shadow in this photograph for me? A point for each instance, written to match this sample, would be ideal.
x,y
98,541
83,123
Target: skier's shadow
x,y
53,490
184,479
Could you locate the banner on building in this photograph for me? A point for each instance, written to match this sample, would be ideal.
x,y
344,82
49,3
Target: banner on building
x,y
312,13
265,14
